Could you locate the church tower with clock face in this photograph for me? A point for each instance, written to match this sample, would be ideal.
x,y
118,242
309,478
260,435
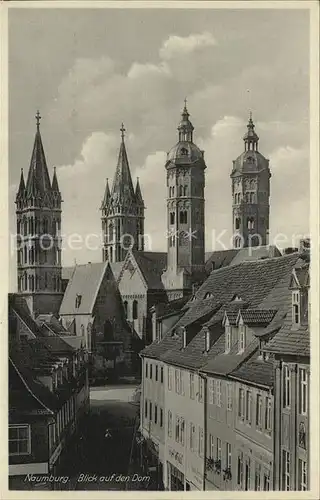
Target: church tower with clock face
x,y
185,168
250,193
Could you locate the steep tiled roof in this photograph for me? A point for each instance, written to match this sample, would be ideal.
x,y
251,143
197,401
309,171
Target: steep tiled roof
x,y
290,340
116,269
152,265
172,307
122,188
258,316
21,397
255,370
38,171
84,283
255,253
260,283
232,310
219,258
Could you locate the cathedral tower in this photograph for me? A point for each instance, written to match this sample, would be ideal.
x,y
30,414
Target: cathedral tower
x,y
38,211
185,168
250,192
122,212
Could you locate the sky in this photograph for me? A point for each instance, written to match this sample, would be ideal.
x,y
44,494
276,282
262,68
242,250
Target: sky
x,y
87,71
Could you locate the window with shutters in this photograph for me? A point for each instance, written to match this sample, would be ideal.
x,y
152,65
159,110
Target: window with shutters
x,y
303,391
169,379
241,404
268,415
218,392
248,409
286,386
191,387
229,396
259,412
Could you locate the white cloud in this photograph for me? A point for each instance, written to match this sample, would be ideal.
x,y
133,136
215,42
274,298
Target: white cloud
x,y
144,70
176,46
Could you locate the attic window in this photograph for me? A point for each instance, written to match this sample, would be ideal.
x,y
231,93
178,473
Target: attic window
x,y
296,307
237,298
78,301
184,338
208,295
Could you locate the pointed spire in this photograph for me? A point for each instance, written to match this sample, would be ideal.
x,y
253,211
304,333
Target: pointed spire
x,y
106,198
38,165
250,138
122,188
185,127
55,185
22,187
139,194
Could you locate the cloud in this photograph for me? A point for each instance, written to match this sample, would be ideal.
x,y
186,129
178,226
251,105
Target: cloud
x,y
177,46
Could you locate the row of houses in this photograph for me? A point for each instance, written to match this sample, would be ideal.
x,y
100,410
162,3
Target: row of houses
x,y
48,399
225,385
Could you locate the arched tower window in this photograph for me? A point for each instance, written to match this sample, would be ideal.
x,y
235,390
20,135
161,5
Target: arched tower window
x,y
183,217
135,309
25,281
172,217
25,227
125,305
45,225
180,190
45,280
237,223
111,254
250,223
32,283
25,255
185,190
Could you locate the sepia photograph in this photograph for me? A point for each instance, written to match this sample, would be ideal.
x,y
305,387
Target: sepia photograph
x,y
159,305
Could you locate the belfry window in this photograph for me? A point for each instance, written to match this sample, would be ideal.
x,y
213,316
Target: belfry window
x,y
237,223
135,309
185,190
183,217
172,217
250,223
180,190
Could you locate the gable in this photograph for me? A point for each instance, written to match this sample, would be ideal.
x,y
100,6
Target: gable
x,y
131,280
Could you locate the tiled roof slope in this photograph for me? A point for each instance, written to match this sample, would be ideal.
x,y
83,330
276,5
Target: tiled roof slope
x,y
290,341
255,370
255,253
19,305
232,310
258,317
152,265
21,398
253,282
85,281
173,307
219,258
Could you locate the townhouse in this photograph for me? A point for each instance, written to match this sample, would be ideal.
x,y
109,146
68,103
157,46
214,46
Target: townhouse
x,y
219,430
290,348
48,400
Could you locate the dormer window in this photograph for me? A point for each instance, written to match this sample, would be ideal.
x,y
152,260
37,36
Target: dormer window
x,y
78,301
207,339
228,339
296,307
242,338
208,295
184,338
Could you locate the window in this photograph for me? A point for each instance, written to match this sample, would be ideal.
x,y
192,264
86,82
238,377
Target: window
x,y
155,414
229,396
286,386
78,301
266,481
161,374
240,470
303,476
161,417
146,370
172,217
169,423
228,456
247,485
268,415
177,381
169,379
257,478
228,339
192,437
125,304
218,450
181,376
146,409
211,386
200,448
177,434
135,309
285,470
191,375
237,223
150,411
207,334
200,388
218,392
183,217
241,404
156,373
242,338
19,440
182,427
296,308
184,338
211,446
259,412
248,406
303,395
150,371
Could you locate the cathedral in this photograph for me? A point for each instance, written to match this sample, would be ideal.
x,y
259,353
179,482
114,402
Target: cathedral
x,y
144,279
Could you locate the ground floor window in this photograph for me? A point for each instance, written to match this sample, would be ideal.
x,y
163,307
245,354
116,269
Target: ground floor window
x,y
303,475
176,478
285,470
19,439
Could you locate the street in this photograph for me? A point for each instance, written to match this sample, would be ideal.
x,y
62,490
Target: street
x,y
107,444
